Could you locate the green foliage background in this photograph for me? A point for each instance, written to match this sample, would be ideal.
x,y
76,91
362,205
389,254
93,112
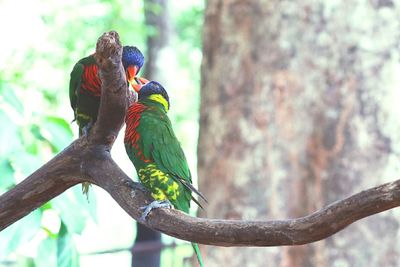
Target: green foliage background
x,y
43,41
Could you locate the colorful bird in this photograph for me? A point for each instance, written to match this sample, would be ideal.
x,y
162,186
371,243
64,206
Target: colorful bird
x,y
155,151
85,88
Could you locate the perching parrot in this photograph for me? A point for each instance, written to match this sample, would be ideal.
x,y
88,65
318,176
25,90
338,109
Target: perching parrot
x,y
155,151
85,88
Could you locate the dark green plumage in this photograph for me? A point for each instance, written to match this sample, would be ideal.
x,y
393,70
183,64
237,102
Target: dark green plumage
x,y
155,151
84,96
85,91
85,84
85,88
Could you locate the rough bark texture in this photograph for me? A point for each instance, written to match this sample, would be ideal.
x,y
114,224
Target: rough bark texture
x,y
293,117
156,15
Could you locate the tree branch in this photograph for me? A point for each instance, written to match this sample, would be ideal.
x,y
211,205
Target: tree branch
x,y
88,160
114,91
49,181
316,226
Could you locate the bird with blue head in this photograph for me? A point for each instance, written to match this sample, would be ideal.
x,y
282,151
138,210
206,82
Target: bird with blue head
x,y
85,88
156,153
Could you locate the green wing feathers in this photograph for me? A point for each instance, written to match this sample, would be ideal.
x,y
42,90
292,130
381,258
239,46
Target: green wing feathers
x,y
159,143
75,84
84,90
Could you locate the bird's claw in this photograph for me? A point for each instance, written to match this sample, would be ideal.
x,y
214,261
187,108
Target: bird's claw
x,y
130,183
134,186
154,205
142,188
86,128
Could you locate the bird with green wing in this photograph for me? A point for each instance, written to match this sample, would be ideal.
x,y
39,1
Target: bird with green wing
x,y
85,88
156,153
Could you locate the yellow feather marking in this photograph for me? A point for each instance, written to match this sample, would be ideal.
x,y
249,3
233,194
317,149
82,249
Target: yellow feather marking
x,y
83,116
174,186
159,195
150,174
143,175
160,99
172,191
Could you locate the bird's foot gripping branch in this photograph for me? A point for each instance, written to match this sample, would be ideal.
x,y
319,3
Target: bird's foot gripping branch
x,y
88,160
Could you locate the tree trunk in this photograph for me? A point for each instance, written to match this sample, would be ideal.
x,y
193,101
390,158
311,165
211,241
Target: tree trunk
x,y
157,21
146,250
158,33
297,104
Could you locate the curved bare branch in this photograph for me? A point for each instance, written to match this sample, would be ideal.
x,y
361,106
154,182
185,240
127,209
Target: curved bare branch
x,y
88,159
316,226
49,181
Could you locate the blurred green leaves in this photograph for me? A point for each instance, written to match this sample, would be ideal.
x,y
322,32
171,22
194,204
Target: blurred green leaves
x,y
7,173
57,131
8,133
58,250
67,255
27,141
19,233
8,96
189,24
74,209
47,253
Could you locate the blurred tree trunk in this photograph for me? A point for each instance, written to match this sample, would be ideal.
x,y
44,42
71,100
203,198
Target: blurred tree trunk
x,y
157,22
298,110
158,35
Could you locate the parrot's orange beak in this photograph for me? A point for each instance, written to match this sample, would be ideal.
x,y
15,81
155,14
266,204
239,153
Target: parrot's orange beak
x,y
133,80
140,81
131,74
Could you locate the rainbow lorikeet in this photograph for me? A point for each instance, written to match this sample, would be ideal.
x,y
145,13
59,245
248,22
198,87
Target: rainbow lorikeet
x,y
155,151
85,88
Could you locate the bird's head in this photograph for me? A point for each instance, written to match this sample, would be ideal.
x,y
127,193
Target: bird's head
x,y
155,92
132,60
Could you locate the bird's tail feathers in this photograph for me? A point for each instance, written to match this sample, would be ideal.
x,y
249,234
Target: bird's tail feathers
x,y
198,203
198,254
191,188
85,189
